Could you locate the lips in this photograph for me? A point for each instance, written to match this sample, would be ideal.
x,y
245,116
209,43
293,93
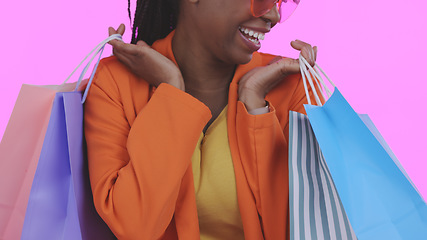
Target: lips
x,y
252,37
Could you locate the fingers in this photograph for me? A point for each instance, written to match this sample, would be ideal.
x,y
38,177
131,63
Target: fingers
x,y
123,58
121,29
142,44
281,68
275,59
126,48
288,66
111,31
308,52
273,73
284,66
315,52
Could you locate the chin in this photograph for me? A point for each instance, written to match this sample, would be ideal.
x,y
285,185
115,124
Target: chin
x,y
241,58
242,49
247,59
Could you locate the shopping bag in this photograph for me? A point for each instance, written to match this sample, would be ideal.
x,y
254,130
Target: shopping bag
x,y
316,211
20,149
25,144
380,200
368,122
60,205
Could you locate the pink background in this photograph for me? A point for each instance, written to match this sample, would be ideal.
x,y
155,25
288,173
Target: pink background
x,y
375,51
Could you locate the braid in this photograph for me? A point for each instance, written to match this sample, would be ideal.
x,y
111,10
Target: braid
x,y
130,17
154,19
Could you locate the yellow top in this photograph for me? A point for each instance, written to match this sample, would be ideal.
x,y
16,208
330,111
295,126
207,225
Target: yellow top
x,y
215,184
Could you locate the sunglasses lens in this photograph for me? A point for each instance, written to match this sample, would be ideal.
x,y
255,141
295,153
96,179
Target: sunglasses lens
x,y
261,7
286,8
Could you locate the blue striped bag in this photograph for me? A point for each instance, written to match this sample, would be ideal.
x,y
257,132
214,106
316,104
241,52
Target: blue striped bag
x,y
345,182
315,207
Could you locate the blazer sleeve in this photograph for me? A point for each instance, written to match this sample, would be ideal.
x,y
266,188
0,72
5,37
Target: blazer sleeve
x,y
263,144
136,168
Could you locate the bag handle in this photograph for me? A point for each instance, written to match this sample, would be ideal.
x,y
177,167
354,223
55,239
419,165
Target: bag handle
x,y
98,50
307,71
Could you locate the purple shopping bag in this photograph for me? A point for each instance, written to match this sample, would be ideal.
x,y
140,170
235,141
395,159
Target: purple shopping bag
x,y
20,150
60,205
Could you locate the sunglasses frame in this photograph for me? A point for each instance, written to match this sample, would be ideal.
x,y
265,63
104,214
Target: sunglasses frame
x,y
277,3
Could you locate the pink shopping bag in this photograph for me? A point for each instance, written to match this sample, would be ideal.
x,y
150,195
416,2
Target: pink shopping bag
x,y
20,149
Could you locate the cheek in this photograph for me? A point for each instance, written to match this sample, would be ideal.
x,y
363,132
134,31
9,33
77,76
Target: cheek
x,y
219,27
234,51
220,19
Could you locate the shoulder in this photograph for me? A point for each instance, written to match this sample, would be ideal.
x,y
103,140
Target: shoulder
x,y
113,82
112,68
113,76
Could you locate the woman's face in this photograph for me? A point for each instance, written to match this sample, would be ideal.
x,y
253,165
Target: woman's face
x,y
227,30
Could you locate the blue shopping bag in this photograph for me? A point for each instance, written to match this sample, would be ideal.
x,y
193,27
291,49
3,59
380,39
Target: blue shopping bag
x,y
60,204
380,200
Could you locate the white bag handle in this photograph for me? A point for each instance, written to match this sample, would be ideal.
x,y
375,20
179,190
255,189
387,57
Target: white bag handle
x,y
98,50
306,69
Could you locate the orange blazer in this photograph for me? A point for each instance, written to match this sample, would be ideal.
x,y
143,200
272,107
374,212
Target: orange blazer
x,y
140,141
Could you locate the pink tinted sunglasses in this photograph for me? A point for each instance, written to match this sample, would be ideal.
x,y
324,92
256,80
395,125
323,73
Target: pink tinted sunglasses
x,y
285,7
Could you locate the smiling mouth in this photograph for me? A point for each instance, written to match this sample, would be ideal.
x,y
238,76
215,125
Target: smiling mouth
x,y
252,35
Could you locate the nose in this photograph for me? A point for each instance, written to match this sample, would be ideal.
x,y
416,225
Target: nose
x,y
272,16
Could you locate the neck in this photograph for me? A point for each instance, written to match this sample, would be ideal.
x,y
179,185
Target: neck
x,y
202,72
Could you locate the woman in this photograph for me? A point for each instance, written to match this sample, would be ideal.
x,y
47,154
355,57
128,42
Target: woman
x,y
187,138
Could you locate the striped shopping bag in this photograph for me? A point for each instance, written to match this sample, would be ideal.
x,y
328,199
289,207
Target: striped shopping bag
x,y
355,171
316,211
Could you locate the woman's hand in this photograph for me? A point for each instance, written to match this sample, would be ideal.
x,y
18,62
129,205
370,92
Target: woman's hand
x,y
254,85
146,62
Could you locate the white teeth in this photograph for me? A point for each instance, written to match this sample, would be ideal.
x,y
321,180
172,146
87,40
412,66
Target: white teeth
x,y
257,35
256,41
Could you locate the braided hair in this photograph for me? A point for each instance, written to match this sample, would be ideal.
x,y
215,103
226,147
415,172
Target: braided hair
x,y
154,19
